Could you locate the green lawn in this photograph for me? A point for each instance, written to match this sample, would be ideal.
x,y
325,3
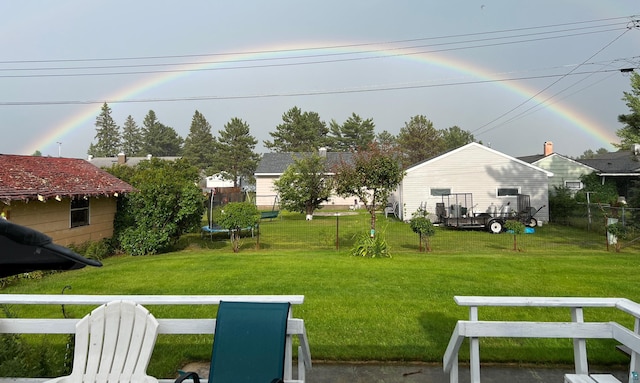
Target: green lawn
x,y
397,309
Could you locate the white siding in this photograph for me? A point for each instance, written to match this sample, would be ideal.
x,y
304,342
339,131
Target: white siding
x,y
472,169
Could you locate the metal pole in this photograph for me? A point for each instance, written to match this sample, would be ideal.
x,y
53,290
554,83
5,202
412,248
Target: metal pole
x,y
337,231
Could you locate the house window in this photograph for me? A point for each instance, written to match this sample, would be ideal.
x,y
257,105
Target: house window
x,y
508,192
573,185
440,192
79,212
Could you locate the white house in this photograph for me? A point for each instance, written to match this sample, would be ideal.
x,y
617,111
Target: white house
x,y
493,178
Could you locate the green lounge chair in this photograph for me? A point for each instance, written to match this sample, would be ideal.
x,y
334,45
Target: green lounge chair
x,y
248,344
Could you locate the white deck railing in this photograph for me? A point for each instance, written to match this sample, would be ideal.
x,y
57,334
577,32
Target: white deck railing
x,y
577,329
295,327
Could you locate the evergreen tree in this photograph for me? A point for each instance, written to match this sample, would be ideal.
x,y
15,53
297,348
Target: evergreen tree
x,y
454,137
160,140
386,139
234,151
418,140
354,133
199,146
630,133
107,135
131,138
299,132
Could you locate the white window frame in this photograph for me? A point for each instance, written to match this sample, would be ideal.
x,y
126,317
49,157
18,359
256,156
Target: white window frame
x,y
438,194
517,188
573,182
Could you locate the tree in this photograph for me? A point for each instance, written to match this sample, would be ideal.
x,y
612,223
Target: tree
x,y
454,137
599,192
107,135
516,228
561,204
299,132
354,133
132,138
587,154
422,225
199,146
234,154
630,133
304,185
236,216
386,139
37,153
372,175
418,140
167,205
160,140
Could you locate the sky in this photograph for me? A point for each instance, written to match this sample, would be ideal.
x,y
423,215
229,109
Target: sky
x,y
515,74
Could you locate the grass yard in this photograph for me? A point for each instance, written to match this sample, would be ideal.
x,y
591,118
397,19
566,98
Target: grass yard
x,y
389,309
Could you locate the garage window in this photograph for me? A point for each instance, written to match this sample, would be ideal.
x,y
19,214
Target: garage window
x,y
440,191
508,192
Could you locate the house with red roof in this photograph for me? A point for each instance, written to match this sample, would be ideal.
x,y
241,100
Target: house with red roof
x,y
69,199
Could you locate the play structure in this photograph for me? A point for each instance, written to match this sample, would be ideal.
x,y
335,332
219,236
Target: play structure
x,y
212,228
275,209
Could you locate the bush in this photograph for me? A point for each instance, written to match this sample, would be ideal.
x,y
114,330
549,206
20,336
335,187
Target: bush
x,y
561,205
366,246
423,226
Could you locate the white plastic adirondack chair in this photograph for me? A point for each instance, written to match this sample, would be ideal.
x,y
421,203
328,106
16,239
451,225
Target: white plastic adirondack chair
x,y
113,344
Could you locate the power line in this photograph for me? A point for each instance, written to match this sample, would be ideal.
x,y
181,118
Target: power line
x,y
544,89
295,94
342,46
287,64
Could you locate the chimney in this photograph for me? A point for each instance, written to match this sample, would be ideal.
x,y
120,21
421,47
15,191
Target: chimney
x,y
548,148
122,158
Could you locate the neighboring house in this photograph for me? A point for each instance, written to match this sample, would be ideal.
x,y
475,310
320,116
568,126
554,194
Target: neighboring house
x,y
122,159
623,166
493,178
566,172
271,167
70,200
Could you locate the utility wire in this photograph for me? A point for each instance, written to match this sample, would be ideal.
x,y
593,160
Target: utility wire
x,y
294,94
351,59
378,50
343,46
545,88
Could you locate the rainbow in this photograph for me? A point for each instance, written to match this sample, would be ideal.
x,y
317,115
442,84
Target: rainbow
x,y
90,111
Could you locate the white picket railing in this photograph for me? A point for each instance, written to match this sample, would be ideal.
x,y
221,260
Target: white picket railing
x,y
295,326
577,329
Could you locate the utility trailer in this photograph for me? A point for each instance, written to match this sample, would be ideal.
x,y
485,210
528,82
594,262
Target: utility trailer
x,y
457,210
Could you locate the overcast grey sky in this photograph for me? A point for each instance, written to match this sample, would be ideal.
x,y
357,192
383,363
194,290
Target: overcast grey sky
x,y
514,73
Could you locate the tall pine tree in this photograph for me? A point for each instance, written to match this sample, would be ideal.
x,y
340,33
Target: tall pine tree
x,y
199,145
131,138
299,132
160,140
234,153
354,133
107,135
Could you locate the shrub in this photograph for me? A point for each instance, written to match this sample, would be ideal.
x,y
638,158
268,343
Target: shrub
x,y
366,246
236,216
423,226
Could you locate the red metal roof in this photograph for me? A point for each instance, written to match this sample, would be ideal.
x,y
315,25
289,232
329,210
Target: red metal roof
x,y
27,177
